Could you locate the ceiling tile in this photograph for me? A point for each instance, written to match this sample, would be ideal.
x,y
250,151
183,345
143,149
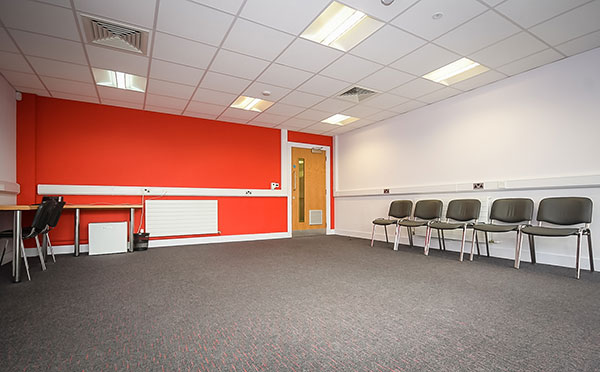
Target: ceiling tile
x,y
65,3
382,115
200,115
167,102
166,88
340,130
581,44
570,25
387,45
360,111
255,90
531,12
354,125
426,59
214,97
239,65
301,99
176,73
283,109
22,79
117,61
321,128
284,76
178,50
479,80
48,67
259,124
229,6
384,101
309,56
74,97
350,68
137,12
232,120
492,2
49,47
385,79
419,20
478,33
376,10
270,118
407,106
296,123
38,17
164,110
38,92
316,130
131,105
508,50
193,21
69,86
13,62
417,88
439,95
333,106
122,95
205,108
239,114
6,44
322,85
312,114
287,15
224,83
259,41
533,61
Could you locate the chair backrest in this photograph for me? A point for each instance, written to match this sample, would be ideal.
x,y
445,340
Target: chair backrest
x,y
565,210
55,214
512,210
42,217
400,208
428,209
463,209
57,198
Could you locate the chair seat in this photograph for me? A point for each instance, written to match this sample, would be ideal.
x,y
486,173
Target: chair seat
x,y
25,232
385,221
446,225
550,231
412,223
492,228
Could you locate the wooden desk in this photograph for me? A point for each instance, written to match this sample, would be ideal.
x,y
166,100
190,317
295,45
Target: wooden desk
x,y
17,209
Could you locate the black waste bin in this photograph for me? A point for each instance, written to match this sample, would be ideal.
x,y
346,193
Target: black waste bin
x,y
140,241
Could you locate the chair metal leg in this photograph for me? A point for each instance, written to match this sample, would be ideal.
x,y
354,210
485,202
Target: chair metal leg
x,y
439,241
472,244
51,248
3,251
477,242
410,236
518,248
396,236
532,248
386,236
578,255
462,244
443,239
427,240
591,253
25,259
487,244
40,254
372,235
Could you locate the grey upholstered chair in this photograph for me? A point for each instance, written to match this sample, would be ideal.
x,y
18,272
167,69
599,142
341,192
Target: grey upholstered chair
x,y
513,214
399,209
465,212
426,211
563,211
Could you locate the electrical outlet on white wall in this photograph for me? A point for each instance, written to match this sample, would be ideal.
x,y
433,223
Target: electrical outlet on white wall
x,y
274,185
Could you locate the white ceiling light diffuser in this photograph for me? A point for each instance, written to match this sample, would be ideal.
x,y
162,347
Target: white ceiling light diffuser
x,y
456,71
339,119
119,80
341,27
251,104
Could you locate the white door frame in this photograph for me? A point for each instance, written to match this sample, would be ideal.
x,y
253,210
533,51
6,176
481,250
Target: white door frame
x,y
288,176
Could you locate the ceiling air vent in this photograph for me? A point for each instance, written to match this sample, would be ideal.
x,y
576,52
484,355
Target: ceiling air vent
x,y
113,35
357,94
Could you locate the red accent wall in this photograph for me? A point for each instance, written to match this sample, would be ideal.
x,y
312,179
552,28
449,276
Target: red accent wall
x,y
68,142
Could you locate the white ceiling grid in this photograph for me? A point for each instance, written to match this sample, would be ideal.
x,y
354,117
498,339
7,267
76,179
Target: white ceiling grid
x,y
203,54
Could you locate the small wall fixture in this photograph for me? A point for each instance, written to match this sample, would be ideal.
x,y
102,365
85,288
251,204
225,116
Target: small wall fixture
x,y
387,2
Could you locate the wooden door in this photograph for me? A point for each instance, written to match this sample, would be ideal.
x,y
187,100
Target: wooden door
x,y
308,190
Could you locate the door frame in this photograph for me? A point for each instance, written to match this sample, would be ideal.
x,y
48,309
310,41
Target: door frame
x,y
288,177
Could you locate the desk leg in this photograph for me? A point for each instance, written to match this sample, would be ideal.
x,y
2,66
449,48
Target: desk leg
x,y
131,230
76,250
16,247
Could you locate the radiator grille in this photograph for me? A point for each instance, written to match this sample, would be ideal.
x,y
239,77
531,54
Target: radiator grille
x,y
181,217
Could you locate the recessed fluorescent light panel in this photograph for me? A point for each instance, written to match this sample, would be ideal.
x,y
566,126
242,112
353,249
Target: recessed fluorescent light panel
x,y
119,80
457,71
251,104
339,119
341,27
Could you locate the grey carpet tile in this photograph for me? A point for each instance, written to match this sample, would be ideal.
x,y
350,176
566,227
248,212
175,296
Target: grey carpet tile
x,y
324,303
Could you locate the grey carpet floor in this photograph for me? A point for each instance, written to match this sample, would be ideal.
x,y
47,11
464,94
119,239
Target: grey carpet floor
x,y
304,304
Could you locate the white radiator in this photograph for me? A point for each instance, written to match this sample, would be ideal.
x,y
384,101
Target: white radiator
x,y
181,217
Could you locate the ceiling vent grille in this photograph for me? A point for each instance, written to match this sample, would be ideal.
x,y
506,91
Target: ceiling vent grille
x,y
115,36
357,94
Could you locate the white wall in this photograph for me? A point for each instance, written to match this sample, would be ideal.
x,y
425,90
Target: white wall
x,y
8,151
537,125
